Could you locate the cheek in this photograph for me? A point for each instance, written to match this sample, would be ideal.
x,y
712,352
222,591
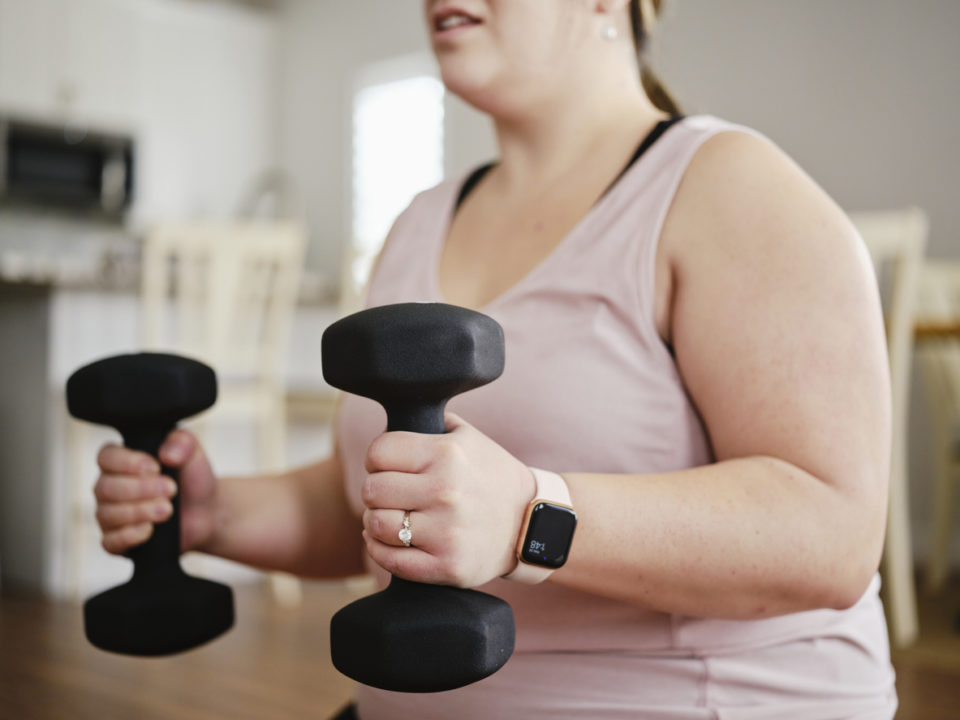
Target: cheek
x,y
539,43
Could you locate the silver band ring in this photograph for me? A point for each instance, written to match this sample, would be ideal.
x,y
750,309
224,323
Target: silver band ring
x,y
406,534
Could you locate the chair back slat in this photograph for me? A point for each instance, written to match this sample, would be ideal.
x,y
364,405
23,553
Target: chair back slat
x,y
224,293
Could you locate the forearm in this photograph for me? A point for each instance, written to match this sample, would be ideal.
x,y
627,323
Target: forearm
x,y
742,539
298,522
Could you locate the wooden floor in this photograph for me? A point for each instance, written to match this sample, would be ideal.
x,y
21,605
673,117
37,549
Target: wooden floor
x,y
928,672
274,665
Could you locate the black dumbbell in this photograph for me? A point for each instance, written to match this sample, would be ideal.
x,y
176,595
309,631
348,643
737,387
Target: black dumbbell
x,y
161,610
412,358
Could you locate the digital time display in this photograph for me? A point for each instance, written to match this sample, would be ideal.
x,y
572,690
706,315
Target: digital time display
x,y
549,535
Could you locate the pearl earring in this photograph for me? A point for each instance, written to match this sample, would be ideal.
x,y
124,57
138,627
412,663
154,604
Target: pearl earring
x,y
610,32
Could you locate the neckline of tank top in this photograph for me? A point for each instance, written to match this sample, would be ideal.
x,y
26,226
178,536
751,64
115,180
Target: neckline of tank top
x,y
433,281
658,130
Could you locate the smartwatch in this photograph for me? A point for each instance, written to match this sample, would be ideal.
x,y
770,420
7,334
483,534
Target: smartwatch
x,y
547,530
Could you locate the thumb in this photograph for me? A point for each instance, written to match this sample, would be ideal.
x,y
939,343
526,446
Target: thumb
x,y
179,447
452,422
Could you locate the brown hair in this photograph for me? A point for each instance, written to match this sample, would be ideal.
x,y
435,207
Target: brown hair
x,y
656,91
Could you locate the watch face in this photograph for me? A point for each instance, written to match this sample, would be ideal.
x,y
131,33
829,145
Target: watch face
x,y
549,535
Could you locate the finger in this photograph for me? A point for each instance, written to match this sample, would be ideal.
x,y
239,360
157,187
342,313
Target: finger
x,y
409,563
119,541
385,525
123,488
119,460
398,490
112,516
403,452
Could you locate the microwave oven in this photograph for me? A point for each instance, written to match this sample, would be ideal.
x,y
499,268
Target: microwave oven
x,y
58,166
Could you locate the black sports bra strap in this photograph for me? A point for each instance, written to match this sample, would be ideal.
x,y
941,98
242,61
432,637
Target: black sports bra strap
x,y
659,129
471,182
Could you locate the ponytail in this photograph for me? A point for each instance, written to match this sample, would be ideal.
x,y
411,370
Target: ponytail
x,y
643,13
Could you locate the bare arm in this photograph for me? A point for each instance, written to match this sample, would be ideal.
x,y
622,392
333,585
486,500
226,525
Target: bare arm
x,y
298,522
778,334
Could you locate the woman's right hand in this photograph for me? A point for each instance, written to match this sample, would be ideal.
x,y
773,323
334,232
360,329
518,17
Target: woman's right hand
x,y
132,495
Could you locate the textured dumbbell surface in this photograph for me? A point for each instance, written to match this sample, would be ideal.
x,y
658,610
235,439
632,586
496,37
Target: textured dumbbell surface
x,y
161,610
158,615
142,388
412,358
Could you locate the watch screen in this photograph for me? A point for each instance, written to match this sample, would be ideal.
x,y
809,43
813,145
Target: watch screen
x,y
549,535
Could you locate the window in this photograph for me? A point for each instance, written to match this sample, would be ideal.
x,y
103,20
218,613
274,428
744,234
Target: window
x,y
397,152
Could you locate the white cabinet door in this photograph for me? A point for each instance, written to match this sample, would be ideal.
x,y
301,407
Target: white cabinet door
x,y
29,41
101,62
74,61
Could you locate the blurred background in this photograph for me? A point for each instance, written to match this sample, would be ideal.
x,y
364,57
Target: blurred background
x,y
135,132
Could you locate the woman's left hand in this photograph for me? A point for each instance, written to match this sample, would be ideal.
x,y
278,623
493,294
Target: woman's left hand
x,y
466,497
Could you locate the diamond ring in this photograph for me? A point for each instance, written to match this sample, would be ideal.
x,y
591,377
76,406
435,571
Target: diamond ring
x,y
405,534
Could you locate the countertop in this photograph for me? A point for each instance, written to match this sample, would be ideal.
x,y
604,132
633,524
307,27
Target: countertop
x,y
74,253
50,249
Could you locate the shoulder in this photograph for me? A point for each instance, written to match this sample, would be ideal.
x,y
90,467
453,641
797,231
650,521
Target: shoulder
x,y
743,205
741,193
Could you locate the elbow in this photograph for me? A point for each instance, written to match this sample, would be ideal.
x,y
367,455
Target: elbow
x,y
844,595
859,535
853,574
839,590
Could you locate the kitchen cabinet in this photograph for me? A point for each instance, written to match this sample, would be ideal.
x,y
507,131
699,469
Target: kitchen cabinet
x,y
27,48
76,61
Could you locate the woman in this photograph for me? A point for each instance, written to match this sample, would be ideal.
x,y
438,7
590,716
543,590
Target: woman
x,y
695,354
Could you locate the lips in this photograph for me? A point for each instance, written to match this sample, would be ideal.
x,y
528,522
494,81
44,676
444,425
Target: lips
x,y
451,18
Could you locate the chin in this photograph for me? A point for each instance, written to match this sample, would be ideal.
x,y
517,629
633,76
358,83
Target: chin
x,y
477,89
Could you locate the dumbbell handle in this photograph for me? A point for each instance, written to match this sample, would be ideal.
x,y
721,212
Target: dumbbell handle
x,y
161,553
415,416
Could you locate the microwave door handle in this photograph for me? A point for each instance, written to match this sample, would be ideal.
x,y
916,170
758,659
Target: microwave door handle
x,y
4,132
113,180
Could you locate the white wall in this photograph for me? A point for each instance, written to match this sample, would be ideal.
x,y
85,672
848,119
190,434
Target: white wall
x,y
865,94
209,109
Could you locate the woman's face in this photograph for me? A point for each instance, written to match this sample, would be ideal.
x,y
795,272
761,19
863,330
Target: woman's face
x,y
493,52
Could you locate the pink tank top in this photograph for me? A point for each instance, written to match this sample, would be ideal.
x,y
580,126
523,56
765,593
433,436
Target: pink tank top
x,y
590,386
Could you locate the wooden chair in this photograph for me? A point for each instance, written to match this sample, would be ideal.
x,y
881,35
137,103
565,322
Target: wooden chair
x,y
896,241
938,360
225,293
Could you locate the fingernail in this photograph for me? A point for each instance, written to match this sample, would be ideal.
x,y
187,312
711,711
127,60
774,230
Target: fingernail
x,y
174,453
162,510
169,487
